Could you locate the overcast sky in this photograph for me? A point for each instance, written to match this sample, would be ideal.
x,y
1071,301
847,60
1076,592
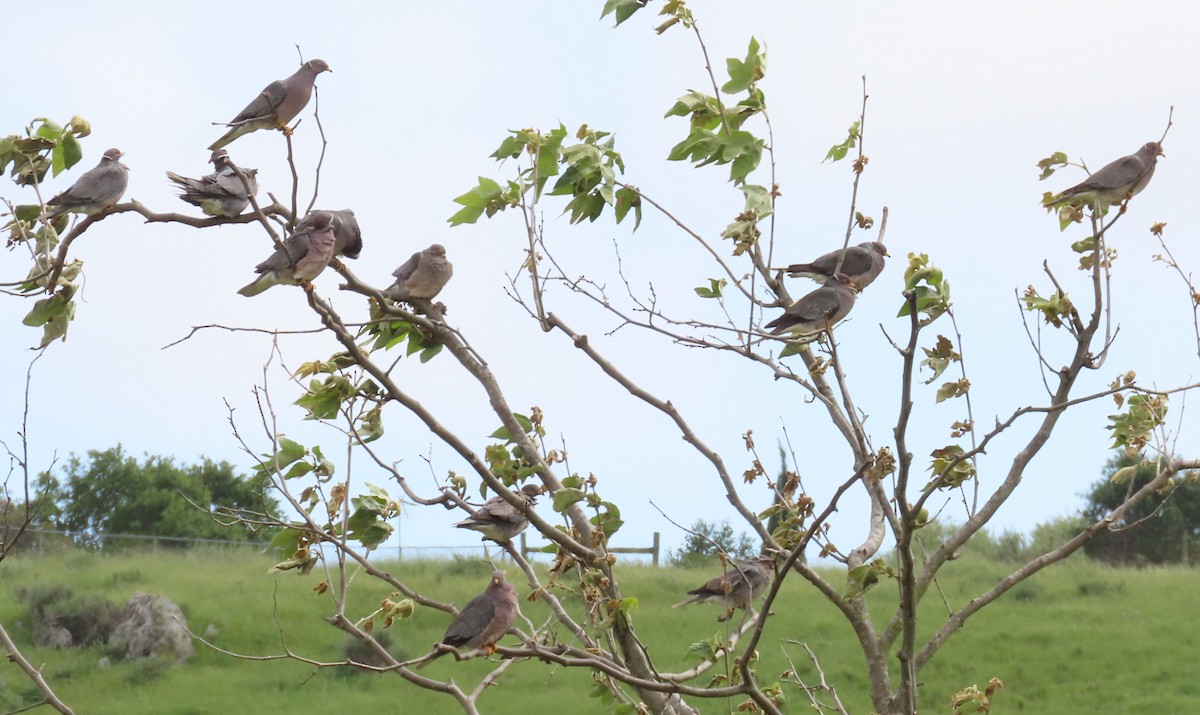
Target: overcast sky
x,y
964,100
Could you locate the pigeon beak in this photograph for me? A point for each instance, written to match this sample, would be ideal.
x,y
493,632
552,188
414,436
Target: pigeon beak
x,y
1162,153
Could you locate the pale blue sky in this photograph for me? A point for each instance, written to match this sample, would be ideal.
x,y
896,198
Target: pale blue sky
x,y
964,101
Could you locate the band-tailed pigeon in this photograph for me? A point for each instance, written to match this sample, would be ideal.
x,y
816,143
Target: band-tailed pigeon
x,y
498,520
276,105
862,265
303,256
817,311
736,588
98,189
345,228
422,276
1114,182
483,621
222,192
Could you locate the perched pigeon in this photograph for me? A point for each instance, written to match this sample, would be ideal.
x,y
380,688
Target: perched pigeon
x,y
345,228
422,276
498,520
818,310
1115,182
736,588
863,264
307,254
98,189
222,192
276,105
483,621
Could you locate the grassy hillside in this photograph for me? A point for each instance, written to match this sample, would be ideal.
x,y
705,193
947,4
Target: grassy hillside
x,y
1078,639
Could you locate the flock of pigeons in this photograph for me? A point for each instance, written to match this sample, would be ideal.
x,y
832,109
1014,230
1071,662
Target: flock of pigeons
x,y
316,240
322,236
488,616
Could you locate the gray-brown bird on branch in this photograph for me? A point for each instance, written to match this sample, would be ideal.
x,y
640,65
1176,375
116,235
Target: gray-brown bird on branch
x,y
276,105
482,622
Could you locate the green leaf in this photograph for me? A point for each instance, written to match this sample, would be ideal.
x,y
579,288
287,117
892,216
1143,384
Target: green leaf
x,y
299,469
861,579
715,286
953,389
1132,428
476,201
933,297
289,451
838,151
48,130
287,539
939,357
45,310
1051,164
58,160
548,156
564,498
628,198
72,151
758,200
624,9
790,349
945,475
744,73
1054,309
512,146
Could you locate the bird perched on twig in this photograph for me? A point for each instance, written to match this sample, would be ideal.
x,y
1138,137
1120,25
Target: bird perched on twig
x,y
817,311
97,189
304,255
222,192
276,105
349,241
736,588
482,622
1114,182
421,276
498,520
862,264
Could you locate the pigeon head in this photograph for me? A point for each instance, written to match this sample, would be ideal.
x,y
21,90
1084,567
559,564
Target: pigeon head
x,y
320,220
877,247
113,154
1153,149
531,491
220,156
437,249
317,66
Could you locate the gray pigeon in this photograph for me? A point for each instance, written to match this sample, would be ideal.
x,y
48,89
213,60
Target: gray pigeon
x,y
276,105
422,276
736,588
1115,182
345,228
498,520
817,311
483,621
98,189
221,193
303,256
863,264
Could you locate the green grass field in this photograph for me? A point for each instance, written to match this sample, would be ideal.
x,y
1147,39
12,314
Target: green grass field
x,y
1079,638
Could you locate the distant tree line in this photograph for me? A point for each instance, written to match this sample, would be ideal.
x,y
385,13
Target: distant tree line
x,y
112,492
